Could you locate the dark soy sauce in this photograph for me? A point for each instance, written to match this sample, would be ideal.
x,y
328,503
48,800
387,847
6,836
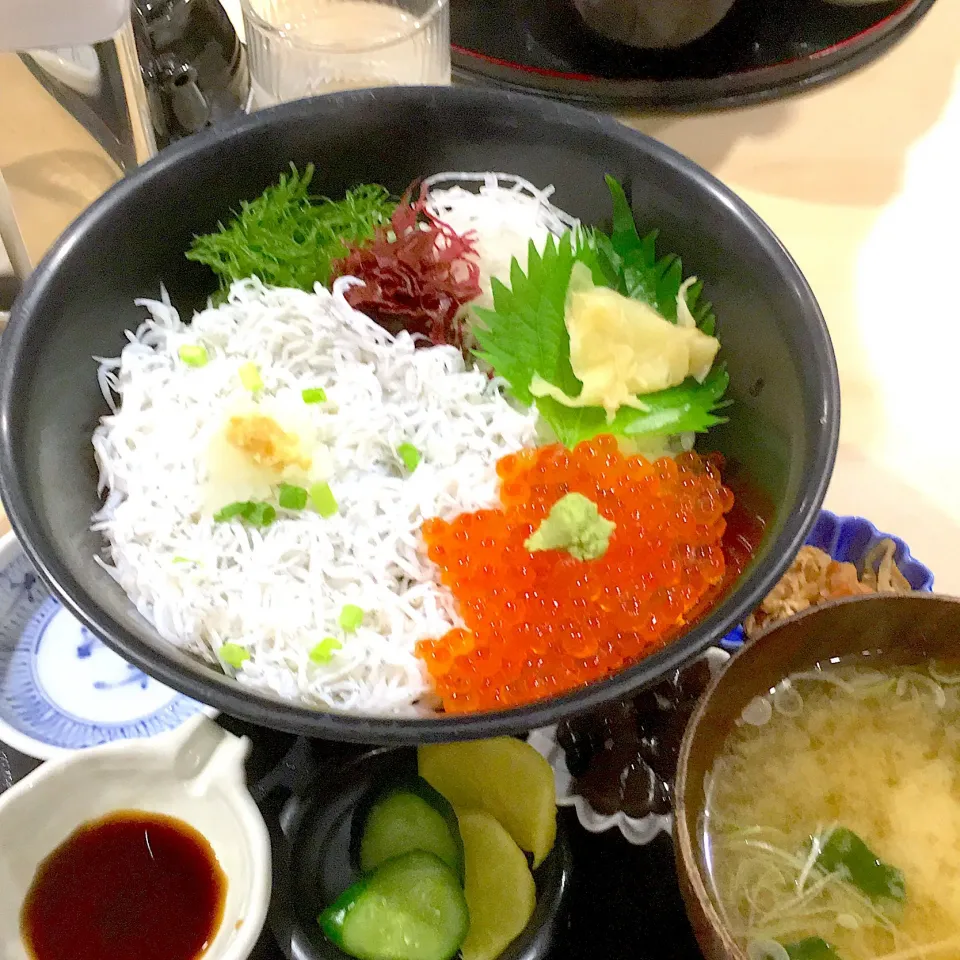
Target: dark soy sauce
x,y
130,886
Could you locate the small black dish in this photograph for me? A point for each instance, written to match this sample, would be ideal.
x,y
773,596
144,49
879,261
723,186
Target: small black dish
x,y
313,865
754,53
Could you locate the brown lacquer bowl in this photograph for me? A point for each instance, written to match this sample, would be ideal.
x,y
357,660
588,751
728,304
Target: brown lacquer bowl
x,y
901,630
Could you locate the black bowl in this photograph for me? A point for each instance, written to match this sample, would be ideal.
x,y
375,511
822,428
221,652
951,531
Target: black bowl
x,y
313,860
781,439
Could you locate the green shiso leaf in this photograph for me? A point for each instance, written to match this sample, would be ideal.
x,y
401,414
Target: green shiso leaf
x,y
525,333
630,264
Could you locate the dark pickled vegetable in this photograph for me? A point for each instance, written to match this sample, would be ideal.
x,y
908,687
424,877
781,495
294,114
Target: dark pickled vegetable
x,y
623,757
619,780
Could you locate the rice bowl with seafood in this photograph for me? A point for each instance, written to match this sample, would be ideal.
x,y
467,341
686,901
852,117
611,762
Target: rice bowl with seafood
x,y
268,467
485,674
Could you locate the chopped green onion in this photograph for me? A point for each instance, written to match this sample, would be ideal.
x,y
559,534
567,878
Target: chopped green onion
x,y
240,508
233,655
262,515
314,395
324,650
323,500
351,616
292,497
410,456
193,355
256,513
183,560
250,377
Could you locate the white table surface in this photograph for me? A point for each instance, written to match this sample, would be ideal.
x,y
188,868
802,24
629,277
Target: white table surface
x,y
861,181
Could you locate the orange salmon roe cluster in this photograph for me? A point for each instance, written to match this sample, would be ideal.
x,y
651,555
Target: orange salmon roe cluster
x,y
538,624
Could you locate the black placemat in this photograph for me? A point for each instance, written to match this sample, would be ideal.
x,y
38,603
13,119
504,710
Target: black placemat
x,y
624,904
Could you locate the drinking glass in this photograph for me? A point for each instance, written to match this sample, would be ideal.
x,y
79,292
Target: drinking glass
x,y
299,48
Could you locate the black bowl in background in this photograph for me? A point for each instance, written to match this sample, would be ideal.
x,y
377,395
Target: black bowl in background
x,y
754,54
780,442
313,860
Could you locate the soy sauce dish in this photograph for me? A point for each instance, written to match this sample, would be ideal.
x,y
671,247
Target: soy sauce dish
x,y
137,851
424,854
816,813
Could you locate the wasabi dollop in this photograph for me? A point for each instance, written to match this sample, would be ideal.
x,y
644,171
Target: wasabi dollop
x,y
574,524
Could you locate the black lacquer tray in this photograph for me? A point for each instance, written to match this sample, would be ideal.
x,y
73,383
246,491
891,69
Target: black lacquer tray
x,y
761,50
624,902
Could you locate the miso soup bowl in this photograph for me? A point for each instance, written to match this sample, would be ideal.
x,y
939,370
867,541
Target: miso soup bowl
x,y
897,630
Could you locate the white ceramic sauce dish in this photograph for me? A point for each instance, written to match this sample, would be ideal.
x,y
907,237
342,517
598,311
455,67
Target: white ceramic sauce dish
x,y
195,774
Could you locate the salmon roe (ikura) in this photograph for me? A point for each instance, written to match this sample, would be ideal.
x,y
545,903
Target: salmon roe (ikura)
x,y
539,624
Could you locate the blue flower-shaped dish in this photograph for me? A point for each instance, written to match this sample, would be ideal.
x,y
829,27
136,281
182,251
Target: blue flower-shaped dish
x,y
850,540
61,689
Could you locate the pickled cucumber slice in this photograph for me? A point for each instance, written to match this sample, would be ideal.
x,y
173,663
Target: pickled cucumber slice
x,y
409,908
411,816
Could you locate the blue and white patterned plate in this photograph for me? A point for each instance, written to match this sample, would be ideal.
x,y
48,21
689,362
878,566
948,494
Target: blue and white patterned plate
x,y
61,688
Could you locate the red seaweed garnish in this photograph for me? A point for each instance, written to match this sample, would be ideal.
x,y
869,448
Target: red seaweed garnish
x,y
417,275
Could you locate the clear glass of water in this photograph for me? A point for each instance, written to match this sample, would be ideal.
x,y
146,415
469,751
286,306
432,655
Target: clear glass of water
x,y
301,48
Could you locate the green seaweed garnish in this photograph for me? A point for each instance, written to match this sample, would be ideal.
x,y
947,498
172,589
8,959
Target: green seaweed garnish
x,y
287,237
811,948
846,853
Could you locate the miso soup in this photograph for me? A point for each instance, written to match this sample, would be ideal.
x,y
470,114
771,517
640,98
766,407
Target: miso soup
x,y
832,824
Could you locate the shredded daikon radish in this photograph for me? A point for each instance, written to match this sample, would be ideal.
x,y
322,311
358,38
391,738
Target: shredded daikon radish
x,y
504,215
278,591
